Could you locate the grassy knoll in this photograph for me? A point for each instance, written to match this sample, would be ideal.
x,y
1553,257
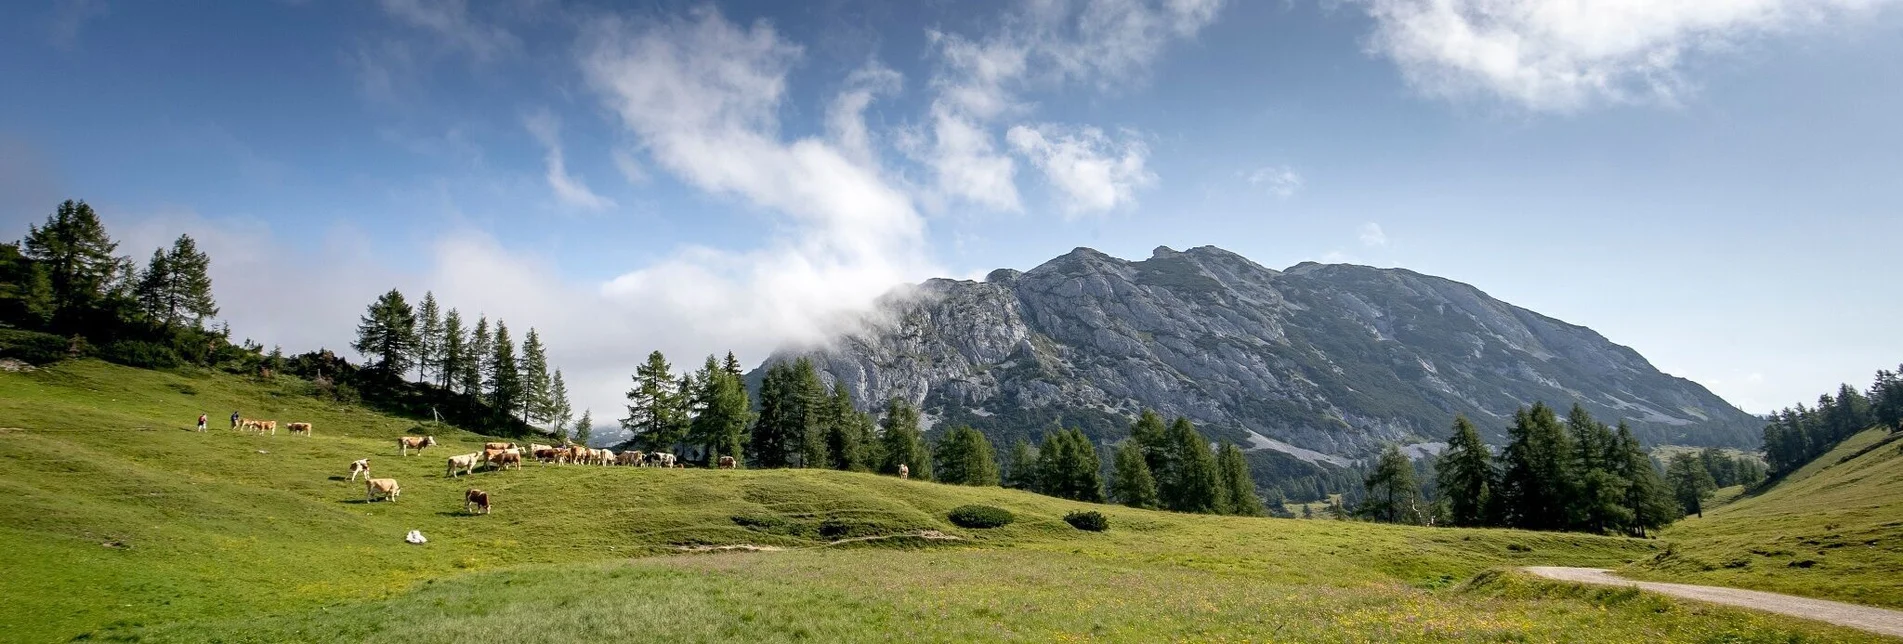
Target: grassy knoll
x,y
1832,529
118,523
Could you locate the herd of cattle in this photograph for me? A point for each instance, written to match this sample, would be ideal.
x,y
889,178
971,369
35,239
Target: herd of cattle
x,y
494,456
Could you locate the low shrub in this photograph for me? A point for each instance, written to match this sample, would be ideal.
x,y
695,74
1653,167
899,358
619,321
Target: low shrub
x,y
980,516
144,355
32,347
1090,520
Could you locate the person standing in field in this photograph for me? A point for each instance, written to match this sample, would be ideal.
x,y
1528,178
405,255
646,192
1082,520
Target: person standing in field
x,y
201,422
234,420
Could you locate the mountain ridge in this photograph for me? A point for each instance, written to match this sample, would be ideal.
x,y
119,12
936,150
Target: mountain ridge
x,y
1333,359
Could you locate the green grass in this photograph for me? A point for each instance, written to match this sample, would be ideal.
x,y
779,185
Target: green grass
x,y
119,523
1831,529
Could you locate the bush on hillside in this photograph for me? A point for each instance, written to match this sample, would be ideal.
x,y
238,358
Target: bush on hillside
x,y
144,355
32,347
980,516
1090,520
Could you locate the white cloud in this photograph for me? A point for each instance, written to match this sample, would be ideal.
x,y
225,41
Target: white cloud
x,y
1281,181
846,118
629,167
1372,235
1104,43
1095,173
568,189
450,20
1565,55
699,94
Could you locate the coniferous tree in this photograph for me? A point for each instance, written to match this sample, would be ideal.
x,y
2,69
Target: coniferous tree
x,y
481,352
387,333
845,431
585,428
1536,487
1466,476
77,255
536,401
151,292
275,360
965,457
1238,488
1131,482
505,377
454,343
902,441
175,287
1191,482
732,366
1690,483
1068,466
1152,439
429,337
779,413
811,393
725,411
1649,502
559,409
654,414
26,295
1021,470
1599,493
1886,399
1392,492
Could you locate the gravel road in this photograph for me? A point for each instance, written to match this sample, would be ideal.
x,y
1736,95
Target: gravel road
x,y
1876,620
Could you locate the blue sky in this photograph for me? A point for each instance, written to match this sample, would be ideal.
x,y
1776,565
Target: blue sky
x,y
1714,183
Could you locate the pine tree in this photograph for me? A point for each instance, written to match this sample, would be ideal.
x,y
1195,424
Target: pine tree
x,y
387,332
152,292
1067,466
77,255
559,409
1152,439
1466,476
1392,491
732,366
481,353
1536,487
585,428
1131,482
190,291
429,337
654,406
1690,483
810,431
965,457
1599,499
844,431
1238,487
505,376
454,343
721,426
902,442
1191,482
1021,470
536,401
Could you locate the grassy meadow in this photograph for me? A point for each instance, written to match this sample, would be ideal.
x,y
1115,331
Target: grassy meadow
x,y
119,523
1832,529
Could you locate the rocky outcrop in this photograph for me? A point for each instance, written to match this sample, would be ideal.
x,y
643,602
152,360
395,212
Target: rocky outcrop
x,y
1315,360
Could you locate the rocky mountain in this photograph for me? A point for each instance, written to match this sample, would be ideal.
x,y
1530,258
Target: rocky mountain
x,y
1326,362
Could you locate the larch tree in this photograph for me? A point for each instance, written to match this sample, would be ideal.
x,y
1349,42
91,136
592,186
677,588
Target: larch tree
x,y
1067,466
1191,483
1466,476
845,435
654,414
1690,482
585,428
429,337
1536,486
454,343
1392,491
79,260
965,457
505,376
560,411
387,334
902,441
725,412
476,370
536,401
1131,482
1648,500
1238,488
1021,468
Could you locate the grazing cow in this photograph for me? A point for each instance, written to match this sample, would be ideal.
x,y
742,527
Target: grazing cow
x,y
727,463
605,456
495,446
577,454
407,443
477,499
359,466
387,488
904,472
268,425
630,457
248,424
299,428
547,454
662,459
494,456
465,464
503,459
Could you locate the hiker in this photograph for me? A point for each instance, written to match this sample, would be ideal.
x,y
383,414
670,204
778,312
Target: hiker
x,y
234,420
201,422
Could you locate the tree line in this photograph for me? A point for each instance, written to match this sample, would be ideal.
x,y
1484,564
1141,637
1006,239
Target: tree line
x,y
1798,434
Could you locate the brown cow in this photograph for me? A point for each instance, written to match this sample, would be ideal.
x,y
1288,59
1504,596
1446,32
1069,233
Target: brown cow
x,y
475,498
727,463
630,457
386,487
407,443
577,454
359,466
496,446
547,454
299,428
502,460
268,425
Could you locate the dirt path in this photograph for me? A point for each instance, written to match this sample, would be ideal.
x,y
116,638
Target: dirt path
x,y
1876,620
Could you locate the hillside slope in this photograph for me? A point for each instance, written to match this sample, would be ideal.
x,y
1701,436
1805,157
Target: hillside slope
x,y
121,523
1323,361
1832,529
